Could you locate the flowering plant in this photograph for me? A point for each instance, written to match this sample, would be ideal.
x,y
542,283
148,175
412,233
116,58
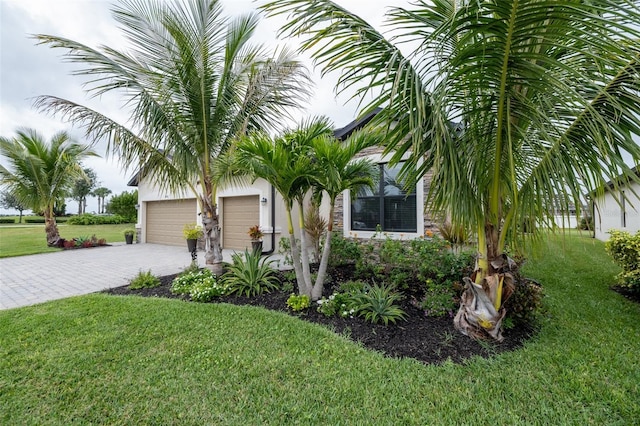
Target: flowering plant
x,y
255,233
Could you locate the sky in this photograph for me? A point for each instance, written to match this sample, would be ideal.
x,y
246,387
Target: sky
x,y
28,70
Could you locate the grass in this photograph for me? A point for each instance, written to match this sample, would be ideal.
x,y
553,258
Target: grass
x,y
20,240
128,360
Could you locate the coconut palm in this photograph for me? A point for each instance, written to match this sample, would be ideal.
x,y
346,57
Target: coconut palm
x,y
40,174
545,94
192,82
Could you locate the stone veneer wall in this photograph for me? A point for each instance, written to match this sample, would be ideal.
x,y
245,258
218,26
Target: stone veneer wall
x,y
430,222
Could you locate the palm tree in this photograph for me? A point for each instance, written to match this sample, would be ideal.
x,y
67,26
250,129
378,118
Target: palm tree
x,y
40,174
194,83
545,93
101,193
337,171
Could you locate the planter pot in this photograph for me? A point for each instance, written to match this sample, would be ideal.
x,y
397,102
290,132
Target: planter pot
x,y
256,246
128,239
191,245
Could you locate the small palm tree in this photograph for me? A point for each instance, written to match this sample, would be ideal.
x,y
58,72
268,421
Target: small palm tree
x,y
545,93
39,174
194,83
101,193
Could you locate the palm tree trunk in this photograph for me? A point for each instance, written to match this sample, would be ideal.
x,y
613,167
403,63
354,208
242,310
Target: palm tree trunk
x,y
295,256
481,306
316,292
211,225
51,227
304,252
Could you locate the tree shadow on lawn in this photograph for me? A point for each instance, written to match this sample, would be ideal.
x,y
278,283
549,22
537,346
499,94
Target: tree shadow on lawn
x,y
426,339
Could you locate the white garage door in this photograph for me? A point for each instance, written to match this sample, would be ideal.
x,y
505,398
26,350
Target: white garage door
x,y
238,214
165,220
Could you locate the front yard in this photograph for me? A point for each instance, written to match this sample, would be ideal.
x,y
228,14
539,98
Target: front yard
x,y
131,360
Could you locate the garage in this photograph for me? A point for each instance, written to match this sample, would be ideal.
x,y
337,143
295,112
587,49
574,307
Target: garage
x,y
165,220
238,214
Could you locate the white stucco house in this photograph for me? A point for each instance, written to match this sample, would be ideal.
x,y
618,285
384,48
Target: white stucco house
x,y
618,208
162,216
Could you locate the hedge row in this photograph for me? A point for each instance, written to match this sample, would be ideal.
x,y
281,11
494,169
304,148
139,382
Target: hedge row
x,y
39,219
7,220
92,219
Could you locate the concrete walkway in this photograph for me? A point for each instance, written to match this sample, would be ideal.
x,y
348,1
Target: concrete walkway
x,y
27,280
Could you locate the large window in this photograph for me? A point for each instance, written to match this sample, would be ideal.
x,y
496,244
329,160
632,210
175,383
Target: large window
x,y
388,205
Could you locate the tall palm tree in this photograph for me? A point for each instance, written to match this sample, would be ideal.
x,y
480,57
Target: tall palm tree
x,y
101,193
193,82
546,94
40,174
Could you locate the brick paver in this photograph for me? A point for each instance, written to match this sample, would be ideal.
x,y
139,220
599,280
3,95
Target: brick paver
x,y
27,280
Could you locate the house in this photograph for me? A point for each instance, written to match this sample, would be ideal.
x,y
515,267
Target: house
x,y
161,216
618,207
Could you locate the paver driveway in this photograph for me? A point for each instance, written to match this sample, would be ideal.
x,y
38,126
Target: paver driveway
x,y
27,280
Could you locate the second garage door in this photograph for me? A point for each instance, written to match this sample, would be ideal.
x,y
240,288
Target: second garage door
x,y
238,214
165,220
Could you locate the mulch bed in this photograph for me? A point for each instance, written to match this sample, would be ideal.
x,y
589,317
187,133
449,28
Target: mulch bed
x,y
426,339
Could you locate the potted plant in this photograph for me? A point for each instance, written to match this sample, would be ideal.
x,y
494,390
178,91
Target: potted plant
x,y
256,234
191,233
128,235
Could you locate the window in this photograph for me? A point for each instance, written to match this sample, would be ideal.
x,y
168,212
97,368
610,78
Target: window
x,y
388,205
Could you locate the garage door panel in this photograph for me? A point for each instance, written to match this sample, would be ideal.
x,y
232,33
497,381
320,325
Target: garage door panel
x,y
165,220
238,214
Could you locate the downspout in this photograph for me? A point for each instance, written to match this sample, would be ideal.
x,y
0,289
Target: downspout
x,y
273,222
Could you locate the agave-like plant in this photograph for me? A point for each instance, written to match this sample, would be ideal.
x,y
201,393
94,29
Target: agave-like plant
x,y
250,274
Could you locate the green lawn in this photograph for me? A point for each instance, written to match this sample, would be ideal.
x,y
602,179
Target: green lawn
x,y
127,360
19,240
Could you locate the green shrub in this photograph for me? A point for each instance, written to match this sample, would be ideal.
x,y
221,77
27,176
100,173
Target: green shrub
x,y
250,275
298,303
144,280
526,303
343,304
7,220
92,219
377,303
201,284
439,299
343,250
33,219
586,224
624,248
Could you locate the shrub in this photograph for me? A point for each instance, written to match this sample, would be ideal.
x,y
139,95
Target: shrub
x,y
439,299
34,219
343,304
377,303
7,220
343,250
624,248
250,276
526,303
92,219
191,231
144,280
586,223
298,303
208,288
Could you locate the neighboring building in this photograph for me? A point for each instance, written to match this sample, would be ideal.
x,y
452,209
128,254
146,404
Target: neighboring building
x,y
161,216
618,208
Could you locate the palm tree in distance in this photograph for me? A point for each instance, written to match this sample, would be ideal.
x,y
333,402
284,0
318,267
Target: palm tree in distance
x,y
101,193
194,83
39,174
545,93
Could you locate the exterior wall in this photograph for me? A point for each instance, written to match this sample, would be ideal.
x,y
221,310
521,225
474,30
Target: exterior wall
x,y
608,211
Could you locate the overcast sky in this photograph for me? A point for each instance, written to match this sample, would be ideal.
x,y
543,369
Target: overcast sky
x,y
28,70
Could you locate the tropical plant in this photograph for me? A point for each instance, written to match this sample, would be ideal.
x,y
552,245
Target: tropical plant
x,y
296,162
545,94
316,227
82,187
40,174
255,233
129,232
191,231
101,193
194,82
378,303
624,249
10,201
251,275
144,280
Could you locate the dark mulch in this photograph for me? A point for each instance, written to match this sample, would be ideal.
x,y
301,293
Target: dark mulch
x,y
634,296
429,340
